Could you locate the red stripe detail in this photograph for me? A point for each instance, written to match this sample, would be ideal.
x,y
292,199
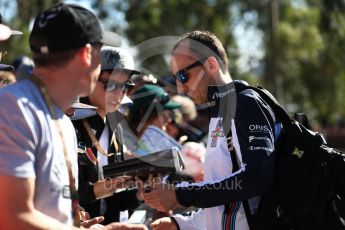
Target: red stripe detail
x,y
228,217
91,156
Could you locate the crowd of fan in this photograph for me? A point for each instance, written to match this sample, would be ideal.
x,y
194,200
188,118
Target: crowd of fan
x,y
129,114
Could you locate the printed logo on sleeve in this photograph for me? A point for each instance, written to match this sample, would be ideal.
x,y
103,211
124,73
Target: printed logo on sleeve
x,y
261,148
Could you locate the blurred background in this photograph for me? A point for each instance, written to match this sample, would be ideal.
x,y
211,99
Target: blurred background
x,y
294,48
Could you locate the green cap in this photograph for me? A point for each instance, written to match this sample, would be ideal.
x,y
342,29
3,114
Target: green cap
x,y
148,94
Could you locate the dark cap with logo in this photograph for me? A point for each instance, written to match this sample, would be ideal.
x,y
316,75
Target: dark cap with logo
x,y
67,27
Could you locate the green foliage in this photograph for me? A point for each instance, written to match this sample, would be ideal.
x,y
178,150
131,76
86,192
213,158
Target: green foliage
x,y
309,53
299,43
325,80
152,18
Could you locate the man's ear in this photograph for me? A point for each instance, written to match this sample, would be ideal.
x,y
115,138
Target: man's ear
x,y
85,55
211,64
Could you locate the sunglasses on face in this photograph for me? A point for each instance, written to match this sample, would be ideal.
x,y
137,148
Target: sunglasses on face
x,y
181,74
110,86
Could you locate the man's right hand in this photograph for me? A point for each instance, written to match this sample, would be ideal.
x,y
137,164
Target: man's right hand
x,y
164,223
92,222
124,226
107,187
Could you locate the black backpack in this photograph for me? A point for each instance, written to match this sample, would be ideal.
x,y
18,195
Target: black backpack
x,y
309,185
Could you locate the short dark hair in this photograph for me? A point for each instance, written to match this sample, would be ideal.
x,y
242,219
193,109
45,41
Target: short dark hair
x,y
208,39
57,59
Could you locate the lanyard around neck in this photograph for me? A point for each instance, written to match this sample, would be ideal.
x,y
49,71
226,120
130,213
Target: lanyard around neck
x,y
94,140
72,180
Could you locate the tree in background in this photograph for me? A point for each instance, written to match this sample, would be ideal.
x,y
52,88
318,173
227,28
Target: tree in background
x,y
324,78
304,51
151,18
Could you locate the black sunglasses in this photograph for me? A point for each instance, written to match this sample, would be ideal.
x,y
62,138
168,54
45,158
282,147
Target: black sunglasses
x,y
181,74
110,86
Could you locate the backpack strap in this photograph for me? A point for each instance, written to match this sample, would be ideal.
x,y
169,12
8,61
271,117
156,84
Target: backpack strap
x,y
280,114
302,135
278,110
235,167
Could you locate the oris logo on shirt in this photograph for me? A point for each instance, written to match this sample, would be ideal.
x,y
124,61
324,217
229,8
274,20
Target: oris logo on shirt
x,y
258,128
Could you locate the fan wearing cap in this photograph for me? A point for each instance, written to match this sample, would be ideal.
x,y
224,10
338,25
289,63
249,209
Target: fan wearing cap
x,y
149,116
97,195
38,161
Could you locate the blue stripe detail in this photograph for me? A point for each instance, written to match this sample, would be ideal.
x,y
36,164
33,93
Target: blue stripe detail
x,y
234,214
223,220
277,129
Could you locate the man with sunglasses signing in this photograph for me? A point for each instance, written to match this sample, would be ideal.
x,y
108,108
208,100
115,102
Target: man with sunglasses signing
x,y
240,155
100,139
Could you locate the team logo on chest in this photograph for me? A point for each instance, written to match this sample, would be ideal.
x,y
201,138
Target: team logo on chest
x,y
218,132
